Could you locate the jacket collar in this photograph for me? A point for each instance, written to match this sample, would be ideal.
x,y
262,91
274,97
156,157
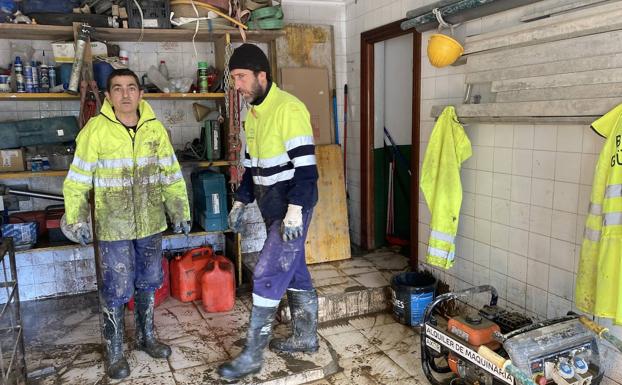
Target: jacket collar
x,y
144,109
269,100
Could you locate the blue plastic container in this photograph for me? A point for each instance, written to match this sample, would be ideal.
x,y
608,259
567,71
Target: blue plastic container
x,y
410,294
24,234
101,71
210,200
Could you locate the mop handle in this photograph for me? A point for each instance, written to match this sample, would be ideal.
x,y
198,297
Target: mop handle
x,y
602,332
506,365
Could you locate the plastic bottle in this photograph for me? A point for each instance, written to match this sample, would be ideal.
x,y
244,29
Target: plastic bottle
x,y
44,76
19,76
52,75
163,69
202,77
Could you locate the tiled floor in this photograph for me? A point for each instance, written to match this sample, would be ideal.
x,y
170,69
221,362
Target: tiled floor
x,y
63,338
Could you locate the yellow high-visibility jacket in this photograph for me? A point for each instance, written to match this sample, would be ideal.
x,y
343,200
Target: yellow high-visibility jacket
x,y
135,176
440,182
599,286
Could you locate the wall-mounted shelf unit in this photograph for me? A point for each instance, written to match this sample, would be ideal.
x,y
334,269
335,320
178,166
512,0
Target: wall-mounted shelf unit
x,y
148,96
53,32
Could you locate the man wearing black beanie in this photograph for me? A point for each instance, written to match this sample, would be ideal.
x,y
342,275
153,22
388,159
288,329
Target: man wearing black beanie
x,y
281,174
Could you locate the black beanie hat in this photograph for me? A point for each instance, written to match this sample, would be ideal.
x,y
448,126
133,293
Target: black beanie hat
x,y
249,57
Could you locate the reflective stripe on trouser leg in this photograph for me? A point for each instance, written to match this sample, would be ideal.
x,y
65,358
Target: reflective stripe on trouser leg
x,y
119,264
281,264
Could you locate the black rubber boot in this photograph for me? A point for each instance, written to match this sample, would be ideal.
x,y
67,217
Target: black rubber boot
x,y
116,363
145,336
257,337
303,309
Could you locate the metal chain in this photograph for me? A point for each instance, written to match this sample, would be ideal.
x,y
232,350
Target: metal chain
x,y
227,76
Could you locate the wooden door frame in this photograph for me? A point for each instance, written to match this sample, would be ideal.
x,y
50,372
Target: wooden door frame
x,y
368,39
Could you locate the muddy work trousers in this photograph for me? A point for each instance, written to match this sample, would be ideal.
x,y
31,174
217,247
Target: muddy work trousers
x,y
129,265
281,264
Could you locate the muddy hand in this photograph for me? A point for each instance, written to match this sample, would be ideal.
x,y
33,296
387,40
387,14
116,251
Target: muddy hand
x,y
235,216
182,227
291,228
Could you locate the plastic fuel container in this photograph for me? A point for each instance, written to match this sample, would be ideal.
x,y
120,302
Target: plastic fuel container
x,y
218,285
186,272
164,291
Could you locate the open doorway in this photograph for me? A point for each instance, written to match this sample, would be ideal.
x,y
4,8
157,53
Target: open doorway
x,y
390,97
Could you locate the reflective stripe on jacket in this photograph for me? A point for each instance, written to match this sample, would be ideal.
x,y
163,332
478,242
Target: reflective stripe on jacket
x,y
599,285
440,182
280,165
135,176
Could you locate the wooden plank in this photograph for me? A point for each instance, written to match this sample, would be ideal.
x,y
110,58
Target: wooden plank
x,y
52,32
329,235
31,174
578,47
551,108
551,68
607,17
563,80
548,8
562,93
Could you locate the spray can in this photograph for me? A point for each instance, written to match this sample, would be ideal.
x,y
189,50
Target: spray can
x,y
19,76
35,77
202,77
44,78
28,85
76,69
52,75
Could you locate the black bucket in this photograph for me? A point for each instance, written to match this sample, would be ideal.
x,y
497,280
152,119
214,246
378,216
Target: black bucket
x,y
410,294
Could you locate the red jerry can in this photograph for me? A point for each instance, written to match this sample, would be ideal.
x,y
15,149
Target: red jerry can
x,y
218,285
164,291
186,272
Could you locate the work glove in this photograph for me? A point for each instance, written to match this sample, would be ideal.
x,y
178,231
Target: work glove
x,y
80,232
291,228
235,216
181,226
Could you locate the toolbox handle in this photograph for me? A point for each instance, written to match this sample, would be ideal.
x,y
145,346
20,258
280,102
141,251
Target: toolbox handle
x,y
192,254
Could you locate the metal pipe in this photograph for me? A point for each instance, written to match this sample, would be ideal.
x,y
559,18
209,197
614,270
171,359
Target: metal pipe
x,y
35,194
461,11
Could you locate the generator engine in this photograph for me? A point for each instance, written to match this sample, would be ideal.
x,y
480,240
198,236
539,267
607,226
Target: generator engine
x,y
559,351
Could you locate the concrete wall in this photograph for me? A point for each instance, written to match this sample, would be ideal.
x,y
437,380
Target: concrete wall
x,y
526,188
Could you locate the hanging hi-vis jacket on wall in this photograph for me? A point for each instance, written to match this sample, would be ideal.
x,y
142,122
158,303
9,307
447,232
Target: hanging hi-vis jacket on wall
x,y
440,182
599,286
135,176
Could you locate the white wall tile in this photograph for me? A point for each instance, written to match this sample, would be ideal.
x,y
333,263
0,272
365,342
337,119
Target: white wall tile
x,y
561,283
500,236
564,226
592,142
538,274
519,215
523,136
482,230
504,135
483,206
521,162
557,306
545,138
540,220
464,248
517,267
499,260
563,254
537,300
483,183
519,241
466,226
468,178
502,185
468,204
542,192
481,254
543,165
539,247
502,160
483,157
566,196
500,210
566,166
570,138
517,291
521,189
588,168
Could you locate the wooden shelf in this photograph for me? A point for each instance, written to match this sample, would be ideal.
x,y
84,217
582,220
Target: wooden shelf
x,y
149,96
47,173
31,174
53,32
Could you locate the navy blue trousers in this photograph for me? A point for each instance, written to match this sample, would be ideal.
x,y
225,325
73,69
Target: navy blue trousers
x,y
281,264
129,265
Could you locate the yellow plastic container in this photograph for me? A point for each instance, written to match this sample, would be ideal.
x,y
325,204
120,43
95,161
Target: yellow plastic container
x,y
443,50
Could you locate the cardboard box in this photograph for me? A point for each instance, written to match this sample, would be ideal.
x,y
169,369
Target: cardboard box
x,y
64,51
11,160
310,85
